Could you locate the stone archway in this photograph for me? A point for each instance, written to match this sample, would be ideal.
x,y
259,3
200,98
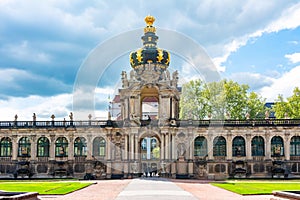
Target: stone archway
x,y
150,151
149,103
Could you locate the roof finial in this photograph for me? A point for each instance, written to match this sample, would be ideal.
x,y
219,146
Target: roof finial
x,y
149,20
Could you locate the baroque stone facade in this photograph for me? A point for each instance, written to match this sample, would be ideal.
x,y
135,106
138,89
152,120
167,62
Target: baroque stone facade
x,y
140,145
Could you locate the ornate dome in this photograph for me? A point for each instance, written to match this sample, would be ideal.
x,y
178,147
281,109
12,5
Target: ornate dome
x,y
149,53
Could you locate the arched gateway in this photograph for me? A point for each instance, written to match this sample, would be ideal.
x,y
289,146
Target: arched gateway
x,y
147,137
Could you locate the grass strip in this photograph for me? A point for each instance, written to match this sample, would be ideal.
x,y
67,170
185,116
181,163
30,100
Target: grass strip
x,y
250,188
49,188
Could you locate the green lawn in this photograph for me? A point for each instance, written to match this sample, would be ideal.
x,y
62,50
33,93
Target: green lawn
x,y
43,187
258,187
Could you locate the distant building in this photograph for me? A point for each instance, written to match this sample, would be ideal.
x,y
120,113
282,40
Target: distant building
x,y
270,105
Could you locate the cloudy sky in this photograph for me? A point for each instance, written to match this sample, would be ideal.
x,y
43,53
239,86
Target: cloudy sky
x,y
44,43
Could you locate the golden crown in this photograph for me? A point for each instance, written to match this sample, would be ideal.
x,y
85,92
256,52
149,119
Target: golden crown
x,y
149,20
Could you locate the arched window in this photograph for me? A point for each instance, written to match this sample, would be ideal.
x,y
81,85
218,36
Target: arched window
x,y
150,148
144,144
277,148
24,147
149,104
200,146
80,147
99,145
295,146
5,147
258,146
238,146
61,147
43,147
219,146
155,150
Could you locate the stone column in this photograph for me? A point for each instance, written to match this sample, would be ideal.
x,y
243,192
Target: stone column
x,y
14,147
71,148
248,147
287,146
52,147
123,116
210,146
131,105
108,147
173,147
167,145
268,146
173,107
136,138
191,148
132,146
138,105
229,146
125,156
89,147
108,170
33,147
126,108
162,147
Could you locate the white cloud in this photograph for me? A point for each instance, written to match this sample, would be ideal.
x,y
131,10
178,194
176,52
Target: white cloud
x,y
288,19
254,80
102,94
24,52
44,107
18,82
293,58
105,91
283,85
187,73
228,49
294,42
59,105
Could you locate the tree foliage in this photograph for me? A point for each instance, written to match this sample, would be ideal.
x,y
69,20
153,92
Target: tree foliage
x,y
219,100
289,108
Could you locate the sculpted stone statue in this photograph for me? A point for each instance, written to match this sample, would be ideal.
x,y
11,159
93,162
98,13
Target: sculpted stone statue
x,y
34,117
124,79
167,75
71,116
175,78
181,149
132,75
135,118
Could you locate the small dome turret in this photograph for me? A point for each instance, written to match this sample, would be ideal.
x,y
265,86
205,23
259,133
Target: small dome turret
x,y
150,53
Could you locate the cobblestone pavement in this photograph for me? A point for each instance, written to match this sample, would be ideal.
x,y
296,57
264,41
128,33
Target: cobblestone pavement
x,y
154,188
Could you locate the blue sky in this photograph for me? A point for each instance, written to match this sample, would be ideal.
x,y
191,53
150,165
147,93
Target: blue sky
x,y
43,44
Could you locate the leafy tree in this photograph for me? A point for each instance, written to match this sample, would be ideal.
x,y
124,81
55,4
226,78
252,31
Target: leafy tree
x,y
219,100
289,108
255,106
236,99
156,152
215,99
192,101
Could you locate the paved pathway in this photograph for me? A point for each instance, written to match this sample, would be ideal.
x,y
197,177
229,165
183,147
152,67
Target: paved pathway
x,y
102,190
210,192
155,188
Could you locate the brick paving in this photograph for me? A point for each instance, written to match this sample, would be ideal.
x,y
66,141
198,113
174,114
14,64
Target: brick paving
x,y
154,189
